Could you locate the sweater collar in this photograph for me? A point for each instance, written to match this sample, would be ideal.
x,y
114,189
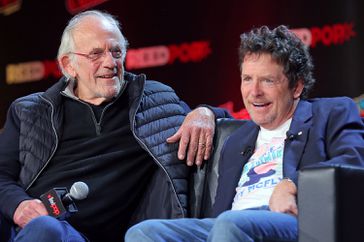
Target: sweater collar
x,y
65,85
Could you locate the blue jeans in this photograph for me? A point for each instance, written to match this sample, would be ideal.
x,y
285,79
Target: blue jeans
x,y
240,226
46,229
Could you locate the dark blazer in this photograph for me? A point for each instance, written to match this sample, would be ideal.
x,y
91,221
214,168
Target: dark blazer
x,y
327,131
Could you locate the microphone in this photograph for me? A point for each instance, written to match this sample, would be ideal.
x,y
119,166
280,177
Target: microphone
x,y
78,191
59,202
248,151
291,136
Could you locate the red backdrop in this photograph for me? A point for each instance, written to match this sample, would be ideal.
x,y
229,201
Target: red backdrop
x,y
189,45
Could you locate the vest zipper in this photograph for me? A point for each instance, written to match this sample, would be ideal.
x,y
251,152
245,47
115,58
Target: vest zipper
x,y
97,124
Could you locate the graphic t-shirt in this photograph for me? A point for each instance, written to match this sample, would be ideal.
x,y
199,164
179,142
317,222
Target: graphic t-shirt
x,y
263,171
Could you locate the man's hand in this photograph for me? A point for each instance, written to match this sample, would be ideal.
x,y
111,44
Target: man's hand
x,y
283,198
195,135
28,210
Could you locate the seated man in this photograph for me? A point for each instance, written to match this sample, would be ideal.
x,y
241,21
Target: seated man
x,y
256,194
103,126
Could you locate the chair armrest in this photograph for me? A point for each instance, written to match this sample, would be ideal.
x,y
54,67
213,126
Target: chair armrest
x,y
204,179
330,204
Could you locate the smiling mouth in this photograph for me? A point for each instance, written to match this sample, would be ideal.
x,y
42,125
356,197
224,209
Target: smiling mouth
x,y
261,105
107,76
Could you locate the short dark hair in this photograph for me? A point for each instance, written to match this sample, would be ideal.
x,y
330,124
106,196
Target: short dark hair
x,y
286,48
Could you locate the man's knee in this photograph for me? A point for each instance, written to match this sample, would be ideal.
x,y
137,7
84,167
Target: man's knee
x,y
140,231
231,216
224,221
45,223
231,226
42,228
233,219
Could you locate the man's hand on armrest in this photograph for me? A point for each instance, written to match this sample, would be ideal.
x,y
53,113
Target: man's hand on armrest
x,y
195,136
283,198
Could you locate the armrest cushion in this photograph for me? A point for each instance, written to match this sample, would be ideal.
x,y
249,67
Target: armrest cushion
x,y
330,204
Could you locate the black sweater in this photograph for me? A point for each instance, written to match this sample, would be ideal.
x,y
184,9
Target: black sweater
x,y
97,147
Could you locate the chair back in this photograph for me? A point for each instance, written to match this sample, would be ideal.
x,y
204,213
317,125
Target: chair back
x,y
204,179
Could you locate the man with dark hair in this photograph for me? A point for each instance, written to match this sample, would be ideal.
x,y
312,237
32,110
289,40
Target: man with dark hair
x,y
256,193
105,127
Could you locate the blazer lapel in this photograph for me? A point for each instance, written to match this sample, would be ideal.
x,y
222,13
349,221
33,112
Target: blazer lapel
x,y
296,140
236,152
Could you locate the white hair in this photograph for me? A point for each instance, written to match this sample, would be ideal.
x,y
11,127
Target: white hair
x,y
67,42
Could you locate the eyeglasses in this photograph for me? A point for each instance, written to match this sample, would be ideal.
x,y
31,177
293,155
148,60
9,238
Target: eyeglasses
x,y
97,54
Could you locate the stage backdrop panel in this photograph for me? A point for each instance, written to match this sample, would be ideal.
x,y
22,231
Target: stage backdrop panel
x,y
189,45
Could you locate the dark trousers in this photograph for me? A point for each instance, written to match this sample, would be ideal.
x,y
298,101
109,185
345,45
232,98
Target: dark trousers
x,y
5,229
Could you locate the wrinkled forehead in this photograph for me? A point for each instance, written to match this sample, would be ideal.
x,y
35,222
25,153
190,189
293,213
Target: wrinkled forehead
x,y
94,27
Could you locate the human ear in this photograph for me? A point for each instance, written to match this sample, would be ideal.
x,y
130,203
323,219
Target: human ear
x,y
297,90
67,65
